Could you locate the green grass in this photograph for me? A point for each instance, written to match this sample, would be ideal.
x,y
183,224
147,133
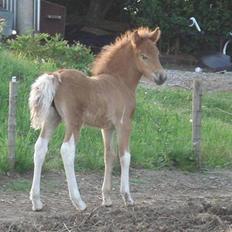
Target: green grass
x,y
163,129
161,134
22,185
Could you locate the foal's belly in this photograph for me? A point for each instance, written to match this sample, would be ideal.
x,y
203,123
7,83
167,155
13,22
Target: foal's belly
x,y
96,119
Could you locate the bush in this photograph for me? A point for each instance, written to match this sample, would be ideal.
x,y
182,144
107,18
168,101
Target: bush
x,y
172,16
45,48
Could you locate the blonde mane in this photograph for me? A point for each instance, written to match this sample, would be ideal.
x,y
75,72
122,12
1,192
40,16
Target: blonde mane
x,y
107,52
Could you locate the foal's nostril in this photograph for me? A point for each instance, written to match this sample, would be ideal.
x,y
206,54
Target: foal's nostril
x,y
164,77
160,78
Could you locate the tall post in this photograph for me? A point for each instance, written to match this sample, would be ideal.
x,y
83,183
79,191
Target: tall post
x,y
25,16
12,123
196,121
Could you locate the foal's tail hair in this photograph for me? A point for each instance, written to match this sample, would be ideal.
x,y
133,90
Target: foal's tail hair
x,y
41,97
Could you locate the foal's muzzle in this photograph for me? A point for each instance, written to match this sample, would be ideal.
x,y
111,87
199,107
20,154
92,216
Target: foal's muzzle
x,y
159,77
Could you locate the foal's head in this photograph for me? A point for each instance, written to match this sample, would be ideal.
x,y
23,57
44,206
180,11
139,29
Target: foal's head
x,y
147,54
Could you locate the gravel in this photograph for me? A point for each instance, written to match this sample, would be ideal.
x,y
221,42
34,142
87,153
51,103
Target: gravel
x,y
210,81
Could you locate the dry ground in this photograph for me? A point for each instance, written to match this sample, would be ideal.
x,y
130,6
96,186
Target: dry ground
x,y
166,200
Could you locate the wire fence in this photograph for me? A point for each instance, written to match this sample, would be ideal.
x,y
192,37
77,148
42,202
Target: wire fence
x,y
196,121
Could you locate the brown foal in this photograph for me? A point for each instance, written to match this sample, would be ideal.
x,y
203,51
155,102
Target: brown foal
x,y
106,100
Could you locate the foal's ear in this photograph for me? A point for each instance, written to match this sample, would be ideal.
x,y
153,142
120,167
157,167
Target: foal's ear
x,y
155,35
136,39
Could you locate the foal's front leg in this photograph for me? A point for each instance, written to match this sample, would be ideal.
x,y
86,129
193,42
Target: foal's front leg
x,y
123,133
107,135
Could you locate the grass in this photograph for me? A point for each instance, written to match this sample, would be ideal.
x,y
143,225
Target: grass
x,y
161,133
164,116
22,185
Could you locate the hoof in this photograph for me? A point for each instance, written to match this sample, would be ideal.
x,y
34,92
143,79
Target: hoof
x,y
80,205
37,205
107,202
128,201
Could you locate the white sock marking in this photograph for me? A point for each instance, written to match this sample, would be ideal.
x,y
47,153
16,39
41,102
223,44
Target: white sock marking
x,y
41,147
125,165
68,155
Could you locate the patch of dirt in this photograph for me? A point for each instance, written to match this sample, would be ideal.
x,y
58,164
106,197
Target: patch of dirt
x,y
166,200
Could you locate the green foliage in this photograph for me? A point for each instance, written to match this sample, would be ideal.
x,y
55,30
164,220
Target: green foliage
x,y
26,72
161,134
162,129
172,17
45,48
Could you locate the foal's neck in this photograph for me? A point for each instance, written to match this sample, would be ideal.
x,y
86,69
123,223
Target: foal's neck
x,y
123,67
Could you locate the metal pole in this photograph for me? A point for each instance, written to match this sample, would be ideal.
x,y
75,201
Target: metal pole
x,y
15,14
25,16
11,5
38,14
4,4
12,123
34,14
7,4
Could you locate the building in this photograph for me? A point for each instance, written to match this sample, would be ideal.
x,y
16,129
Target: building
x,y
27,16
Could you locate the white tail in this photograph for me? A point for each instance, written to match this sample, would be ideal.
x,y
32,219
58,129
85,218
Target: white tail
x,y
41,96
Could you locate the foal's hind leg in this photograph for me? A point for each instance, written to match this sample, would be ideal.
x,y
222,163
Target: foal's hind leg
x,y
41,147
68,155
108,160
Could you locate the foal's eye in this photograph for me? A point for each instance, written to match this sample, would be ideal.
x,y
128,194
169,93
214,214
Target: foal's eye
x,y
144,57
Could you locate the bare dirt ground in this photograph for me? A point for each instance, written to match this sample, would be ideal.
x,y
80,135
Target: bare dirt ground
x,y
166,200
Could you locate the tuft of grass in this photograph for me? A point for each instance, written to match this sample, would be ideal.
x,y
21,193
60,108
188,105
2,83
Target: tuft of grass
x,y
22,185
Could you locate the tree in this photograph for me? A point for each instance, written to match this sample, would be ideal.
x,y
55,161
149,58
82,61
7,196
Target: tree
x,y
172,16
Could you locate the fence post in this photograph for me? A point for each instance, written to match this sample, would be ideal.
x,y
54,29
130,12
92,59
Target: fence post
x,y
12,123
196,121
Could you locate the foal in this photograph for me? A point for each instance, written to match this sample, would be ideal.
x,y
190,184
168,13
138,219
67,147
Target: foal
x,y
106,100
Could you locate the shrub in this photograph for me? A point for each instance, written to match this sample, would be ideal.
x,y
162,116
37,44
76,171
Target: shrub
x,y
172,16
43,48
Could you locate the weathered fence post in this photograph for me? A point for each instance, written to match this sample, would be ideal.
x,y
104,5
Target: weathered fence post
x,y
196,120
12,123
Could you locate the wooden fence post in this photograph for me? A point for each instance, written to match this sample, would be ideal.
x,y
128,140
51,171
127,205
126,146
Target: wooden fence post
x,y
12,123
196,121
